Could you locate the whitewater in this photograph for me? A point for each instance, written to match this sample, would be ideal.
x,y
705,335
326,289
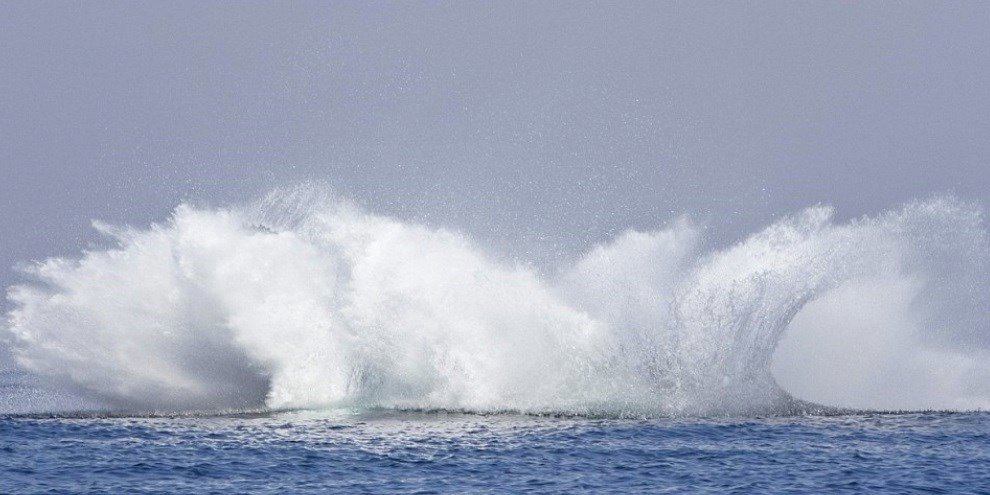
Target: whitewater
x,y
304,300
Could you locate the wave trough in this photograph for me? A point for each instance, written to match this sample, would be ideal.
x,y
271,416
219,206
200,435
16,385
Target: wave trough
x,y
300,300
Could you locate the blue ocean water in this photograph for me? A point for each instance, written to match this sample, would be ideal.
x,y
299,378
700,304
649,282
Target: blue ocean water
x,y
397,452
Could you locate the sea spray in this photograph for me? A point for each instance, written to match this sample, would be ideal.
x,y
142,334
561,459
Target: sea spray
x,y
303,300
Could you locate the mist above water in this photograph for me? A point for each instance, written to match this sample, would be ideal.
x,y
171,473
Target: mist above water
x,y
303,300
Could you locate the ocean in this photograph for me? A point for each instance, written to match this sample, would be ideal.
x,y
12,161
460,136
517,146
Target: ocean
x,y
439,452
566,247
300,343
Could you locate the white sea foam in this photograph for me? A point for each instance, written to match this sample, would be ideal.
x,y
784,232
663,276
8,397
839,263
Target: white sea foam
x,y
304,301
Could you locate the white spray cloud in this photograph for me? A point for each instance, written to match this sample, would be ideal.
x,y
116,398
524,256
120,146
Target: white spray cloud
x,y
301,301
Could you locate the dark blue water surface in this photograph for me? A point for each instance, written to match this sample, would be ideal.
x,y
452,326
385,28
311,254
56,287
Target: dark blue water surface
x,y
386,452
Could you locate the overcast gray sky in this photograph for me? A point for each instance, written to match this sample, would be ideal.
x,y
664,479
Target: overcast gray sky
x,y
551,123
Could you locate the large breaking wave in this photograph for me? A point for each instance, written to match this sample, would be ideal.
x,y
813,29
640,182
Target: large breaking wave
x,y
304,301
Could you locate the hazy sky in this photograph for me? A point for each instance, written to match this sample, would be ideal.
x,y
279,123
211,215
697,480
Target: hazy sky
x,y
551,123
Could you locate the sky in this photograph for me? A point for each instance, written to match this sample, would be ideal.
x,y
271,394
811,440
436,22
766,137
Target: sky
x,y
545,127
